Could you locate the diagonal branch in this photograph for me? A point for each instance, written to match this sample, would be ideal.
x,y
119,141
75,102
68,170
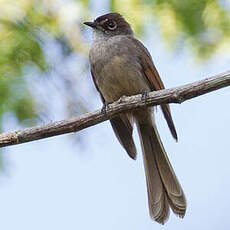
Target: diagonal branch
x,y
173,95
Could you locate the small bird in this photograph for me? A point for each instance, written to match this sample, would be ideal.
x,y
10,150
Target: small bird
x,y
122,66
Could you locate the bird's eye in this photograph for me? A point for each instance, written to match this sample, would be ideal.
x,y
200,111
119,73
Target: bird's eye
x,y
111,25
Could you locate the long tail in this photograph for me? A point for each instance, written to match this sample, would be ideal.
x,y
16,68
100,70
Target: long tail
x,y
164,190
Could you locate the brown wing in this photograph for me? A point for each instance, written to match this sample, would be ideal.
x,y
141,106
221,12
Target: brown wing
x,y
123,128
154,81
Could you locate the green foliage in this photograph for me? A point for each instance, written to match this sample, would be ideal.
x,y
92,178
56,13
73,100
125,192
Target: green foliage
x,y
19,48
23,26
21,45
202,25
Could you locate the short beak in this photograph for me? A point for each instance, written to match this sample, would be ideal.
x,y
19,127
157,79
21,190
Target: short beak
x,y
91,24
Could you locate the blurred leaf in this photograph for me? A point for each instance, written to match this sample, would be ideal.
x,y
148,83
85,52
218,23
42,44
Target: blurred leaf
x,y
203,25
133,11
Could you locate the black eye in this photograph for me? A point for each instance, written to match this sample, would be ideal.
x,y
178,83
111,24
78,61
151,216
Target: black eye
x,y
111,25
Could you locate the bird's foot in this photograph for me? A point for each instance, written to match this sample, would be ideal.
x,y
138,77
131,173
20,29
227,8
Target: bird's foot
x,y
105,107
122,99
144,95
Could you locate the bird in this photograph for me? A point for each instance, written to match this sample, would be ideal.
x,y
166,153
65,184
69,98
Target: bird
x,y
122,66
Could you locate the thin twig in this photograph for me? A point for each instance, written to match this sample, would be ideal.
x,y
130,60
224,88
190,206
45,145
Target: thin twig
x,y
173,95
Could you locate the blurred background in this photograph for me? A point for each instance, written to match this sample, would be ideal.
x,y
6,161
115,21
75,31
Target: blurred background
x,y
86,180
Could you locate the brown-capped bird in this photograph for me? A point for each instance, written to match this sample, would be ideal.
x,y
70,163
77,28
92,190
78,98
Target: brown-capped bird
x,y
121,65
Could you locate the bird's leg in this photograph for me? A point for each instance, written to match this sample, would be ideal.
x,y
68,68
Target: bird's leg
x,y
105,107
144,95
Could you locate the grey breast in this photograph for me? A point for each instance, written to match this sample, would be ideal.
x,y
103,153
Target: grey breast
x,y
116,68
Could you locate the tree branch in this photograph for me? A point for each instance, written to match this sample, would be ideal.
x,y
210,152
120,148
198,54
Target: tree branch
x,y
173,95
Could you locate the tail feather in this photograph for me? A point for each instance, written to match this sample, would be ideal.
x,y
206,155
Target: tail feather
x,y
164,190
177,200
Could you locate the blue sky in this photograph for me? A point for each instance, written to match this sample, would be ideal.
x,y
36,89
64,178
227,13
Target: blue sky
x,y
55,184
